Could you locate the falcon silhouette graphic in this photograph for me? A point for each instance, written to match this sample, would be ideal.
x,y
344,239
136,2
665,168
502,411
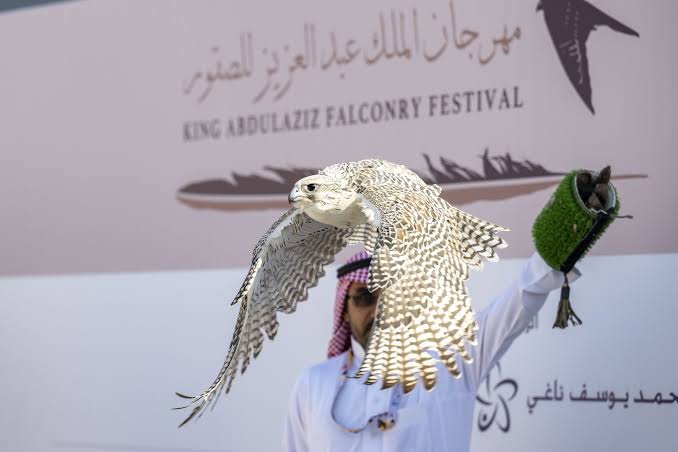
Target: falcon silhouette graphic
x,y
569,23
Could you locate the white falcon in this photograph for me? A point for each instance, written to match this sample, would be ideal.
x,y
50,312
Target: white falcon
x,y
422,250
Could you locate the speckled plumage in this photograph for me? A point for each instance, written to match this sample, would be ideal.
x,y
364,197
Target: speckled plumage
x,y
422,250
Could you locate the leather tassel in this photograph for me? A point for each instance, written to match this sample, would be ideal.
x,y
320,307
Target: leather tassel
x,y
565,313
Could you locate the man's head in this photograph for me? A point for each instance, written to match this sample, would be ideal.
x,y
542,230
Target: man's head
x,y
354,309
359,309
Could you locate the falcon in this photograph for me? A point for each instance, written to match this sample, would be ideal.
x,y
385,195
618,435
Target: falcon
x,y
422,249
569,23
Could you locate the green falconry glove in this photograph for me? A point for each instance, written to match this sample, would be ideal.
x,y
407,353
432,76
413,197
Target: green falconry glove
x,y
576,215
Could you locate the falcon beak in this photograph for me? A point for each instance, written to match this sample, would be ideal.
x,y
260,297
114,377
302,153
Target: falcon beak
x,y
539,6
294,196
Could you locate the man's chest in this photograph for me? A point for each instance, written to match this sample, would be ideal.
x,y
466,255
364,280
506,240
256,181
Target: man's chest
x,y
423,419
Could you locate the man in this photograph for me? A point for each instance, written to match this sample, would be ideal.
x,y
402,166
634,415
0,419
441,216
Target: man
x,y
329,411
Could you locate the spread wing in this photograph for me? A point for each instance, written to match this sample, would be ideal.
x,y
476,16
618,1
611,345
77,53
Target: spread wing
x,y
287,261
422,253
569,23
569,28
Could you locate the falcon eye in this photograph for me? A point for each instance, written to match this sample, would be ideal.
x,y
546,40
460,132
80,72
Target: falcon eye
x,y
311,187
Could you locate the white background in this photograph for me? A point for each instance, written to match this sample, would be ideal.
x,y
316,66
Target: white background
x,y
95,360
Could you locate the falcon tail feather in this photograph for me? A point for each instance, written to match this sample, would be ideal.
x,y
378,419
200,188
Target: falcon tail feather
x,y
208,396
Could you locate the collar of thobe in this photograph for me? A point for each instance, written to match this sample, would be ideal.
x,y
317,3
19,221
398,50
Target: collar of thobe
x,y
358,354
352,409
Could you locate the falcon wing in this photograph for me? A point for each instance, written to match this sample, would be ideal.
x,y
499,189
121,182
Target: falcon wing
x,y
597,17
569,23
287,261
569,29
423,250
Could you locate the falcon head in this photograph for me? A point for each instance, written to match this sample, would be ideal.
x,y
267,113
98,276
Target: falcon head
x,y
319,190
322,197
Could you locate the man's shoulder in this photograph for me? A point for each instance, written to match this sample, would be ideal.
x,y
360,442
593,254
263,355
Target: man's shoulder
x,y
329,367
321,372
316,379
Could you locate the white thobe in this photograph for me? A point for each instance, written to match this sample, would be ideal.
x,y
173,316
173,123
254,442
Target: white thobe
x,y
438,420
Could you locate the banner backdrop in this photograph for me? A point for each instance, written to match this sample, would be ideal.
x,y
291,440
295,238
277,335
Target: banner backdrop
x,y
146,146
